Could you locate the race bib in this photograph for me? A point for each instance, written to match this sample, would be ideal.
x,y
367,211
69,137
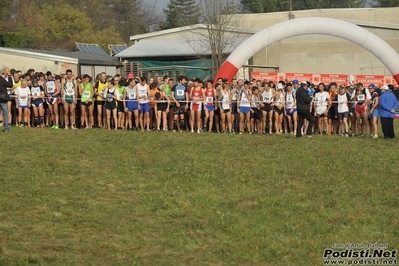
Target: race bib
x,y
225,105
342,103
320,102
109,97
235,96
180,93
86,94
361,97
132,95
280,102
209,99
50,90
70,91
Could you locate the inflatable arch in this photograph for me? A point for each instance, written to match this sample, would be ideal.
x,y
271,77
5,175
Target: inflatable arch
x,y
313,25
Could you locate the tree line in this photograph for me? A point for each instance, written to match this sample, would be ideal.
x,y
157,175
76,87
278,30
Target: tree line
x,y
58,24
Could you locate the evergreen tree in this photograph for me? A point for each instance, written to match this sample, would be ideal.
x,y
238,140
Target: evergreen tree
x,y
386,3
260,6
265,6
181,13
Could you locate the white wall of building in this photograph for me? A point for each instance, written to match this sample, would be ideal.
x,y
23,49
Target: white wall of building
x,y
24,63
326,54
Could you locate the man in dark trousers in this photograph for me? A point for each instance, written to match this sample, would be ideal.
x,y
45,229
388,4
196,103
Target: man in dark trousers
x,y
4,97
387,105
303,101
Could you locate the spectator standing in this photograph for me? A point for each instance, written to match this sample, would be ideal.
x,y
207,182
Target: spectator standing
x,y
303,101
4,98
386,109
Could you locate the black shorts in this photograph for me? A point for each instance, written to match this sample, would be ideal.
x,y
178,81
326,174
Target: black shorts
x,y
256,114
180,110
100,102
226,111
331,113
278,111
86,104
162,106
110,105
217,112
121,108
321,115
267,107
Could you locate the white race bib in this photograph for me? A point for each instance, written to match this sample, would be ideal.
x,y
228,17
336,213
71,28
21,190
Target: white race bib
x,y
50,90
86,94
361,97
225,104
209,99
180,92
132,95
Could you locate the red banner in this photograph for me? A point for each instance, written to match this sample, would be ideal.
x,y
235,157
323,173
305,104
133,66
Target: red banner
x,y
268,76
298,76
370,79
391,80
337,78
378,80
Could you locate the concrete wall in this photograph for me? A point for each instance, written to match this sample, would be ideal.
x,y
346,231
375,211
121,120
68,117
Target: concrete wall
x,y
326,54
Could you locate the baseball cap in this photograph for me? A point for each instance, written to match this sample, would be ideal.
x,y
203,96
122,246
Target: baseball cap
x,y
130,76
385,87
304,83
372,86
295,81
279,86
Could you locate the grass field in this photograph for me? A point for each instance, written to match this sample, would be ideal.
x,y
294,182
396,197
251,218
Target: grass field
x,y
94,197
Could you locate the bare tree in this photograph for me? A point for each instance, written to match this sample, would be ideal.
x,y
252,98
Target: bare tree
x,y
221,31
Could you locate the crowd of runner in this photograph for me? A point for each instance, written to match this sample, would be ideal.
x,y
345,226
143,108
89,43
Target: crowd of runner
x,y
137,103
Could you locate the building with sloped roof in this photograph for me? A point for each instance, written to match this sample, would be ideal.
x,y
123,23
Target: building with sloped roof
x,y
183,50
58,62
158,52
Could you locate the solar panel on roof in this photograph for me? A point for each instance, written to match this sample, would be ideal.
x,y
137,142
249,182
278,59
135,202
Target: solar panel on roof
x,y
91,48
118,49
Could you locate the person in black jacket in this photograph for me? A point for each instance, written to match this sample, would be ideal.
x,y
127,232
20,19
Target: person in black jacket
x,y
303,101
4,98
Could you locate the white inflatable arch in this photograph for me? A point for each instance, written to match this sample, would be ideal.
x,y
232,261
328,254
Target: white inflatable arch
x,y
313,25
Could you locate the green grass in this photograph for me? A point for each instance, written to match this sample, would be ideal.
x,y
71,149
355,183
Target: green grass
x,y
94,197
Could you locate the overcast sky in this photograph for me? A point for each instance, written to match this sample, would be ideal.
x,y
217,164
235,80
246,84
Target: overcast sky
x,y
162,4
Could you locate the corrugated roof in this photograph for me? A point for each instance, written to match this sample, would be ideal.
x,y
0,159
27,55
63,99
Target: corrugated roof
x,y
172,48
69,57
189,28
38,55
86,58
